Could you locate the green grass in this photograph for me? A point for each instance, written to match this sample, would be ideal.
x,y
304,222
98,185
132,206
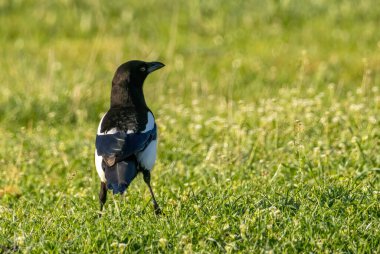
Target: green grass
x,y
268,116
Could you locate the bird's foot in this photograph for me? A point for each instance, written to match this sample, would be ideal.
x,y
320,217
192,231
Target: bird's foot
x,y
157,210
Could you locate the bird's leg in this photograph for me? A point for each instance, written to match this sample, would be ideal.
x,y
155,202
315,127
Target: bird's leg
x,y
157,209
102,195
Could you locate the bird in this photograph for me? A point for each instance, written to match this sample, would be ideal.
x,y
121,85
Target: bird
x,y
126,138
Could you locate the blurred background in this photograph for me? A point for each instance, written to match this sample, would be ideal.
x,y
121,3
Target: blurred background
x,y
58,58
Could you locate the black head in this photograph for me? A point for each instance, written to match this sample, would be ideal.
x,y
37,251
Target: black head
x,y
135,72
128,81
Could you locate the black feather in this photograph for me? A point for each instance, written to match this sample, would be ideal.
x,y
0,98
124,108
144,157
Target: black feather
x,y
120,175
124,145
125,118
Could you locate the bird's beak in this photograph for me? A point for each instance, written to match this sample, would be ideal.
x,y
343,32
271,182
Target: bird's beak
x,y
152,66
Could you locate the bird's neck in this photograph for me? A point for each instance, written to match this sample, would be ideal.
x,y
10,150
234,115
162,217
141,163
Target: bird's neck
x,y
128,97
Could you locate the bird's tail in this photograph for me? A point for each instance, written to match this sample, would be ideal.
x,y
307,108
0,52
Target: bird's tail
x,y
120,175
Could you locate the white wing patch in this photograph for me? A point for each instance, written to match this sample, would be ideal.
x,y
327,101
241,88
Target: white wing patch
x,y
99,169
99,159
147,158
150,123
99,126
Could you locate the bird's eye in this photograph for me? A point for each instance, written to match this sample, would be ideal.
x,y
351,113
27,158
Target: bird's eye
x,y
143,69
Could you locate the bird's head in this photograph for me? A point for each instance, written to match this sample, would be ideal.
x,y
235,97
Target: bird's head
x,y
134,72
129,78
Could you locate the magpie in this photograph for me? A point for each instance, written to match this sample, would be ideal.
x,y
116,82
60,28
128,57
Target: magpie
x,y
126,140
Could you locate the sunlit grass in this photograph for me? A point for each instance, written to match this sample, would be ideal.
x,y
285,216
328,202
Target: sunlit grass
x,y
268,116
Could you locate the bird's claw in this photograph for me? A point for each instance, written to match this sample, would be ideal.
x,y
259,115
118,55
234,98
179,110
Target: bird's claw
x,y
157,210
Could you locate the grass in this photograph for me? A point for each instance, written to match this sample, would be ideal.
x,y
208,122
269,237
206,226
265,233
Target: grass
x,y
268,115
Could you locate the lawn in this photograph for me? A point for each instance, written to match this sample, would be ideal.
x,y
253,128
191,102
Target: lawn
x,y
268,116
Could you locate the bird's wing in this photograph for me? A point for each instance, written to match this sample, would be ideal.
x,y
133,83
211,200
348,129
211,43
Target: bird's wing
x,y
116,149
120,145
110,144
